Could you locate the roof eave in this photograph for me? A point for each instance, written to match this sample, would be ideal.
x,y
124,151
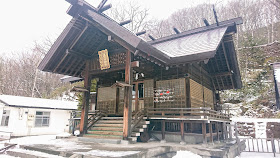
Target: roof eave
x,y
227,23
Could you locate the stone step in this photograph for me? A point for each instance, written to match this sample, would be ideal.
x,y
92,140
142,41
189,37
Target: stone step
x,y
132,139
100,136
110,122
112,118
120,129
135,134
115,133
138,130
107,125
23,153
142,126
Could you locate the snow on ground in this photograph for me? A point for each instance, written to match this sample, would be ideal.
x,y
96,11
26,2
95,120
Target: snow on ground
x,y
184,154
60,144
108,153
7,156
36,153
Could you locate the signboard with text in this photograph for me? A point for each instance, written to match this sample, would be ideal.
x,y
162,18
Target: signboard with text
x,y
104,59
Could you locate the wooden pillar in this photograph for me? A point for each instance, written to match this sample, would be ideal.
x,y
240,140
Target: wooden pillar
x,y
117,99
211,131
230,131
188,92
204,132
182,132
97,84
225,131
84,113
218,131
163,130
136,97
127,98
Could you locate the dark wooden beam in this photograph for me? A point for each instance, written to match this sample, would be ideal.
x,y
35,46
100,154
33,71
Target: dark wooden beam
x,y
114,68
125,22
204,132
182,132
176,30
140,33
85,108
79,68
211,132
229,69
215,15
106,7
205,22
101,4
72,45
136,97
163,130
218,131
77,54
75,66
151,37
127,98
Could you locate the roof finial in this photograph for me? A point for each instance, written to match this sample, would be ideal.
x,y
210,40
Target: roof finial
x,y
215,14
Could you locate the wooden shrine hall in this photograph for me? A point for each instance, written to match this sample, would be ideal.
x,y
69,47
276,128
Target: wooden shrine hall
x,y
166,88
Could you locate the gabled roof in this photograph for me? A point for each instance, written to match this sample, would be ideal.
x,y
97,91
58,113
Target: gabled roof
x,y
28,102
199,46
90,31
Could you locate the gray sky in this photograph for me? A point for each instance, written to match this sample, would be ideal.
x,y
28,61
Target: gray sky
x,y
25,21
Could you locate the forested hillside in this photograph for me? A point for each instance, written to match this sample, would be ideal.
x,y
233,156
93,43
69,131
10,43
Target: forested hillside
x,y
256,42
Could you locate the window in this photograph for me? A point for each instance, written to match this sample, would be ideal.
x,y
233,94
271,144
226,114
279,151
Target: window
x,y
5,118
140,90
42,119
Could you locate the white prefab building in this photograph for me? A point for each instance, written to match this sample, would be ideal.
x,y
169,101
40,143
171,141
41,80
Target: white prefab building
x,y
24,116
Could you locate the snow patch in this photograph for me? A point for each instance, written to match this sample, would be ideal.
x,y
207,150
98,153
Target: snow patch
x,y
108,153
36,153
184,154
59,144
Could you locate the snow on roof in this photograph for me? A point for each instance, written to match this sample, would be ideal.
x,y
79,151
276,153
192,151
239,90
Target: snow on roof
x,y
19,101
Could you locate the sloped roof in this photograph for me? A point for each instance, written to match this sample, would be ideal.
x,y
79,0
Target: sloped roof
x,y
91,31
28,102
194,44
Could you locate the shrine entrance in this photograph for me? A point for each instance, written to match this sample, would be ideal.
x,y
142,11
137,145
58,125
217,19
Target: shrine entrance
x,y
138,96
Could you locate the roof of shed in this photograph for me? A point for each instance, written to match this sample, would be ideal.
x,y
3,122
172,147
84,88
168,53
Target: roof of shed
x,y
28,102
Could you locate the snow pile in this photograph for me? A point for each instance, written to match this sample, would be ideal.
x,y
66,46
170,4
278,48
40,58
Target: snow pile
x,y
106,153
184,154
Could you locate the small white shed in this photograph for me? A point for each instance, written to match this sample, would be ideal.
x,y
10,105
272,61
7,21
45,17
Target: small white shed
x,y
24,116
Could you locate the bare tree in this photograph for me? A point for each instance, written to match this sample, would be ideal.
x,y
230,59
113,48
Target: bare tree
x,y
130,10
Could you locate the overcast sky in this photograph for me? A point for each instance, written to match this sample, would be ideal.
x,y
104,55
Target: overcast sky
x,y
25,21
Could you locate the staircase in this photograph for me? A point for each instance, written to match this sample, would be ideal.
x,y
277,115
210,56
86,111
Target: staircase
x,y
107,128
112,128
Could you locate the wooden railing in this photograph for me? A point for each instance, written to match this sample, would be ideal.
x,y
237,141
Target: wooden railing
x,y
191,113
137,118
93,117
